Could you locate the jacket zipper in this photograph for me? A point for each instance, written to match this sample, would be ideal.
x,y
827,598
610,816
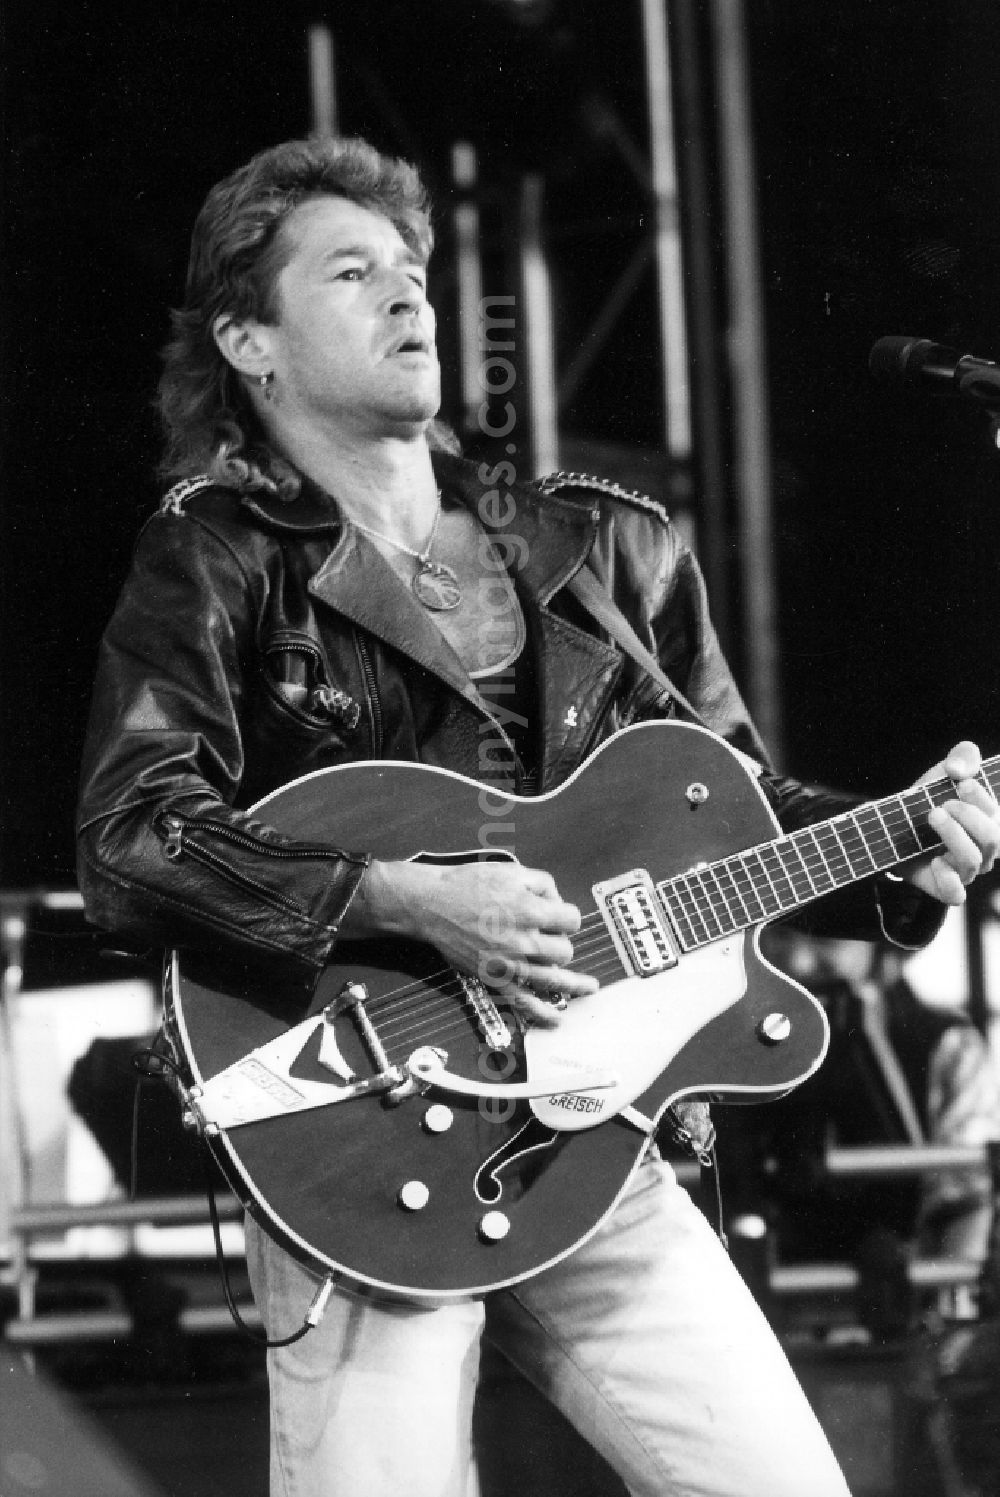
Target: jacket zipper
x,y
309,651
374,707
176,844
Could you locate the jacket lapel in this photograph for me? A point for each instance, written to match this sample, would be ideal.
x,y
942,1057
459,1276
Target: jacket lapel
x,y
545,541
356,581
359,583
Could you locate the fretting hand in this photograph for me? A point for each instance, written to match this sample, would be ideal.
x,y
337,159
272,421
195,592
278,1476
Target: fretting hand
x,y
968,826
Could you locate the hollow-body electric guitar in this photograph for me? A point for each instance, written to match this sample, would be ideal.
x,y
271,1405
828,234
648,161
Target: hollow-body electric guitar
x,y
405,1136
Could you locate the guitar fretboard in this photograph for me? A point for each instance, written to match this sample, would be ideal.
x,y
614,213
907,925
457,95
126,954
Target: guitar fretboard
x,y
748,888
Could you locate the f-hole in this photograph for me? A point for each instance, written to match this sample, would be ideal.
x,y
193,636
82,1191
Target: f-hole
x,y
528,1140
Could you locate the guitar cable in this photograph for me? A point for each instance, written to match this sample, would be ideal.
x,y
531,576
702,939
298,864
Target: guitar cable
x,y
153,1064
709,1161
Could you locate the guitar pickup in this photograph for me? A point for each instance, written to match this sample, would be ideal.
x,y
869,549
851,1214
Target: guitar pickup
x,y
637,923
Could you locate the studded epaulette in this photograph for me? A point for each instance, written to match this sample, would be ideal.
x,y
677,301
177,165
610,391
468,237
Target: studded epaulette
x,y
554,483
174,499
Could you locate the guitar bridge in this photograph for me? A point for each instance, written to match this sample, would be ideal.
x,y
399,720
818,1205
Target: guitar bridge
x,y
488,1018
637,923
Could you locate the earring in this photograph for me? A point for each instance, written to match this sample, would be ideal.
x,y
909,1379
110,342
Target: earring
x,y
266,382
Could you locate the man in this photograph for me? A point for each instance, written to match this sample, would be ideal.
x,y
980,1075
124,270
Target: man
x,y
312,593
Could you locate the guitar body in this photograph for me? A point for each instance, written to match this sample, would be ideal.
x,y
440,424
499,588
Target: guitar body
x,y
402,1198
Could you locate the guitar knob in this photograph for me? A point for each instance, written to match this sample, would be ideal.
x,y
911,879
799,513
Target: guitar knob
x,y
437,1118
413,1196
494,1226
774,1029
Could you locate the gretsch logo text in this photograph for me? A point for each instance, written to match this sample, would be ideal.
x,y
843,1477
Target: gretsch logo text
x,y
575,1102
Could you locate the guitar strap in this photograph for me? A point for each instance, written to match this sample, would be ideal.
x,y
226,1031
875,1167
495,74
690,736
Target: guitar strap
x,y
598,601
595,598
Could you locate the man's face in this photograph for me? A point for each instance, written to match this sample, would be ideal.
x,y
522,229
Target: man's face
x,y
354,340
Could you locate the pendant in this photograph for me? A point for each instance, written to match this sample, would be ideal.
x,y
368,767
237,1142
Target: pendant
x,y
437,587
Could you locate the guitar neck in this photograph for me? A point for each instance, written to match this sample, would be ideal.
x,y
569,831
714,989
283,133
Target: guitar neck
x,y
751,887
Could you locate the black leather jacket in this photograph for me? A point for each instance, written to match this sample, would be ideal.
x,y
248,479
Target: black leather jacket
x,y
257,640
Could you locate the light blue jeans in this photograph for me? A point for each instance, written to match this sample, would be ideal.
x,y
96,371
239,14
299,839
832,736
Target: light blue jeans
x,y
646,1338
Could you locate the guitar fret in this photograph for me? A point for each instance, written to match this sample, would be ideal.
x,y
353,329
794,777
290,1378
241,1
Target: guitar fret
x,y
816,861
689,913
713,905
901,831
987,784
901,805
779,880
745,891
878,842
798,886
815,857
851,836
943,792
674,905
834,852
702,908
928,837
764,884
735,907
801,877
696,916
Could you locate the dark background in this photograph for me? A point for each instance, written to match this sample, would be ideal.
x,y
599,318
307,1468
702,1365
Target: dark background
x,y
878,153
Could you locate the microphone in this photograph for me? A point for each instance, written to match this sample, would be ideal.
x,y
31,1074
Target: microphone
x,y
939,370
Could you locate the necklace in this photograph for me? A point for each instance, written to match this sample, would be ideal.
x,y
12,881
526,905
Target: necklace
x,y
435,585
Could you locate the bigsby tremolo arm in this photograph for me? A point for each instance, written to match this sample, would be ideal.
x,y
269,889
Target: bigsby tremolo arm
x,y
260,1085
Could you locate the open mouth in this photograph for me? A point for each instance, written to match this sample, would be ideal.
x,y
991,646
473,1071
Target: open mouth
x,y
413,344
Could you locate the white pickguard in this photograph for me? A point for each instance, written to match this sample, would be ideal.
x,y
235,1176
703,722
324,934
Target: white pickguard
x,y
632,1028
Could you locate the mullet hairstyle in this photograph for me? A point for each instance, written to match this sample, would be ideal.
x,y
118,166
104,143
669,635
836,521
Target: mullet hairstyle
x,y
237,253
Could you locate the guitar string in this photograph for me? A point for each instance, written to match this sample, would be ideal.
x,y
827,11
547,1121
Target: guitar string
x,y
426,1016
456,1020
446,993
420,1006
405,1041
383,1000
700,903
387,1000
413,1001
